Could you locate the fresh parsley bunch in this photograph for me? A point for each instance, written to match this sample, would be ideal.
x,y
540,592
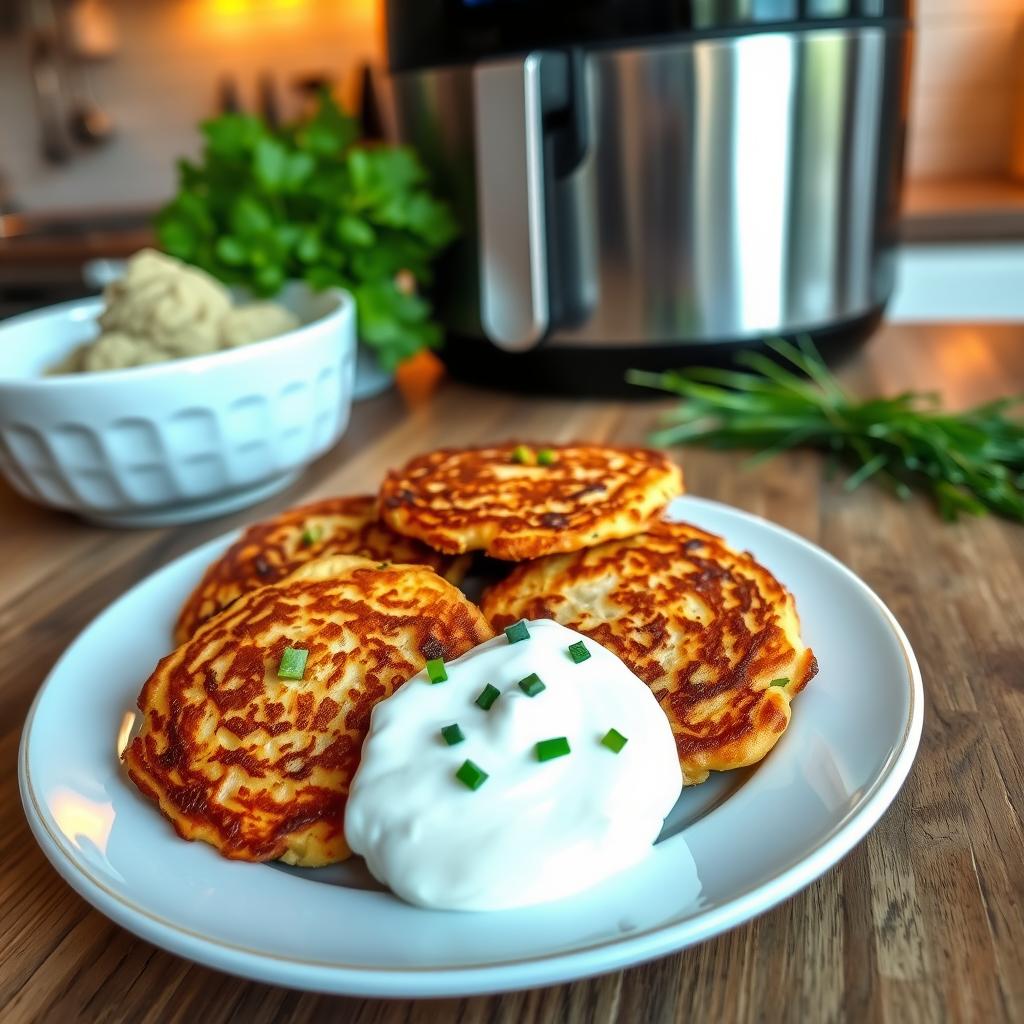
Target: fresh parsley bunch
x,y
309,202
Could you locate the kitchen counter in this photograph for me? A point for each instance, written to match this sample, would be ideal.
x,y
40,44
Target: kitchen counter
x,y
924,920
964,210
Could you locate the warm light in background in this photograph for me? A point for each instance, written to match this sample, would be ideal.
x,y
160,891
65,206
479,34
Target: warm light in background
x,y
359,11
230,8
963,369
288,38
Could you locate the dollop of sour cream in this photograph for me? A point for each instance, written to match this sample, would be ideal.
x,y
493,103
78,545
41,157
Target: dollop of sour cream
x,y
534,830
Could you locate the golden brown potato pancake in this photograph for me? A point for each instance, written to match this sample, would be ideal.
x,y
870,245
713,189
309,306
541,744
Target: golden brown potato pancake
x,y
504,500
270,550
257,765
713,633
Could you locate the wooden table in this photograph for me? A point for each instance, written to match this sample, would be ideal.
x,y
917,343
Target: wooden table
x,y
924,920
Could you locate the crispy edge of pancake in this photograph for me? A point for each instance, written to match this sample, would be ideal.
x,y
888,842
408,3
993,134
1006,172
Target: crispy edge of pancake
x,y
235,573
503,604
515,532
321,842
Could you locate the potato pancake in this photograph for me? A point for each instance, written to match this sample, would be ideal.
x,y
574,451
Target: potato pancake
x,y
516,502
713,633
270,550
243,756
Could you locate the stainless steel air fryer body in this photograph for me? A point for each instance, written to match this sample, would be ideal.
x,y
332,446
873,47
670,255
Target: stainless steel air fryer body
x,y
713,192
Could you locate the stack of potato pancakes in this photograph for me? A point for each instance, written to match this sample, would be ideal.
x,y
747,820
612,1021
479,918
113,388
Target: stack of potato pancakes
x,y
252,728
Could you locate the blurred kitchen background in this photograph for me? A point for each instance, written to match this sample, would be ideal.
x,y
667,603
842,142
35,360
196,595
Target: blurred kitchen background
x,y
98,98
142,74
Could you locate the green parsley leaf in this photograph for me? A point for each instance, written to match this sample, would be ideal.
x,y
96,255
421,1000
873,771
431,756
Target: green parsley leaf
x,y
306,201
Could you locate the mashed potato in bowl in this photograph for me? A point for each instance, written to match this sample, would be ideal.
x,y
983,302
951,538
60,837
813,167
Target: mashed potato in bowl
x,y
177,440
163,309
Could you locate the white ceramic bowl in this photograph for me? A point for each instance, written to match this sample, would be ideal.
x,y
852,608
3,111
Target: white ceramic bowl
x,y
177,441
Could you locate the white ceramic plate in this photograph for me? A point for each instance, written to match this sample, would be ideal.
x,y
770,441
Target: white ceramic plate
x,y
732,847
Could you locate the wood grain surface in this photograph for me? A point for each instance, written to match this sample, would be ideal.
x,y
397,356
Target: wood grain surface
x,y
923,921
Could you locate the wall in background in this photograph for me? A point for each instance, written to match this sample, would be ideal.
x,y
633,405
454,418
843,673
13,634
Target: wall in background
x,y
968,62
164,80
173,52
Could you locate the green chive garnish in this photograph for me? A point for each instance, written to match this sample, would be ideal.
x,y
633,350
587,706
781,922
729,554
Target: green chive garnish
x,y
452,734
488,695
546,457
436,672
310,535
614,740
547,750
782,681
531,685
522,454
578,651
517,631
293,663
471,775
383,565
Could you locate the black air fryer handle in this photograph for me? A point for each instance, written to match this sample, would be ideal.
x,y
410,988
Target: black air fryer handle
x,y
571,250
531,138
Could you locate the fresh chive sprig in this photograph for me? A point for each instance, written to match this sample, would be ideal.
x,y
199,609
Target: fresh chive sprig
x,y
548,750
488,695
532,684
436,672
293,663
471,775
614,740
969,462
578,652
517,632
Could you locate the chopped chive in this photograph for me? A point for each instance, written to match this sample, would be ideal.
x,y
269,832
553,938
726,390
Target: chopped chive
x,y
546,457
310,535
488,695
471,775
383,565
293,663
547,750
781,681
517,631
614,740
522,454
452,734
531,685
578,651
436,671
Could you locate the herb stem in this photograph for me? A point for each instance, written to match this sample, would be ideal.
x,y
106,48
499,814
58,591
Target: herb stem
x,y
970,462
